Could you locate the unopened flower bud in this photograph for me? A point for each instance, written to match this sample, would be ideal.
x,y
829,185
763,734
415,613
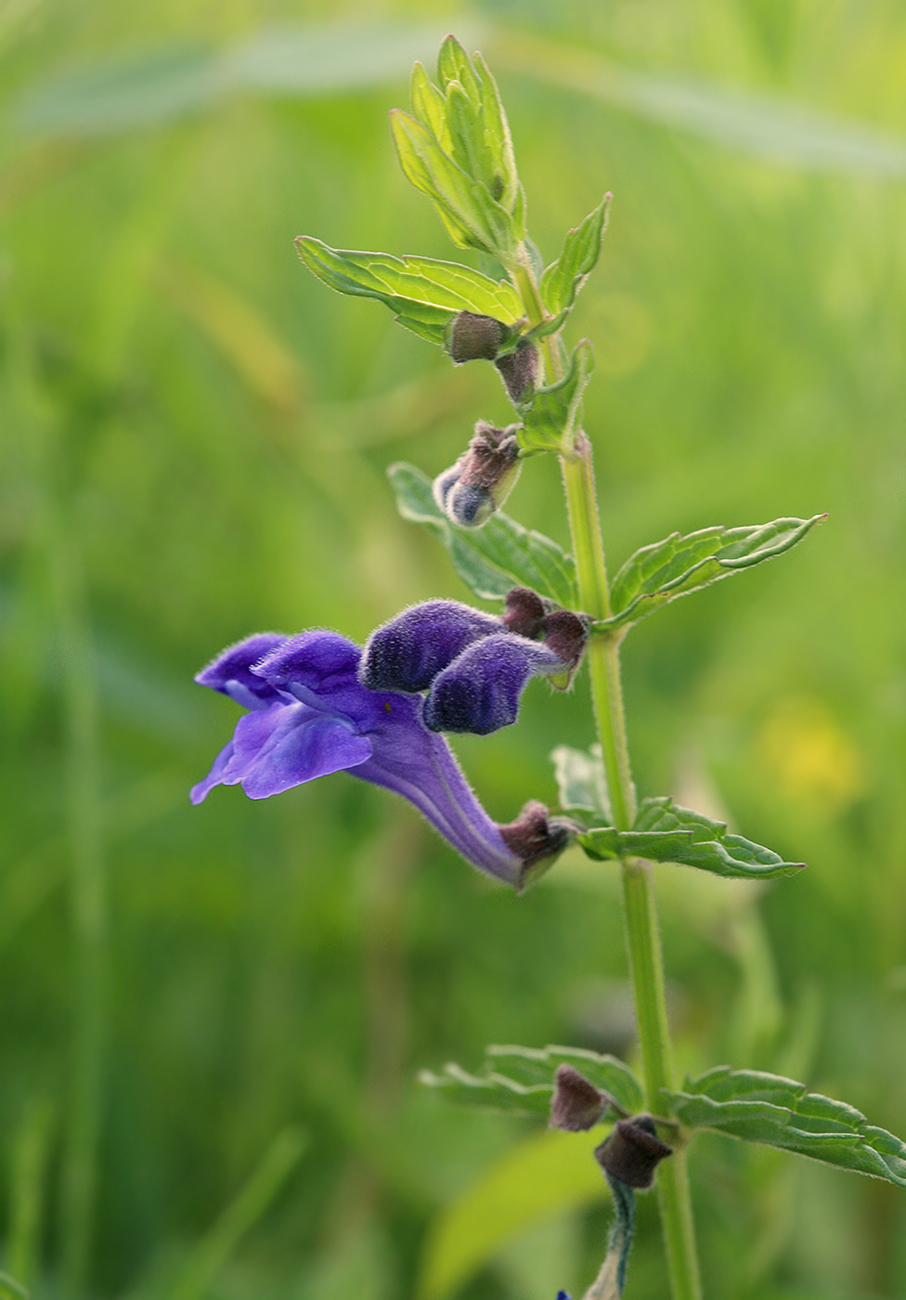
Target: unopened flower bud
x,y
566,634
519,372
444,484
535,837
576,1104
524,614
469,507
471,337
632,1151
471,490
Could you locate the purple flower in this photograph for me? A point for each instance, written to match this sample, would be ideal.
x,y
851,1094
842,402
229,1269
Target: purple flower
x,y
309,715
473,666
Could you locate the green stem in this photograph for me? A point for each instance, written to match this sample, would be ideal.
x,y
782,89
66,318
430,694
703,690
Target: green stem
x,y
640,908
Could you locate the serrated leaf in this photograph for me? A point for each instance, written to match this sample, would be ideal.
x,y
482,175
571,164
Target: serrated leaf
x,y
581,780
606,842
778,1112
679,564
550,420
496,1093
710,847
666,832
530,1066
424,294
494,559
520,1080
563,279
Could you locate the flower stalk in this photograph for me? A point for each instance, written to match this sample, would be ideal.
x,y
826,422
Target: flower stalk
x,y
640,906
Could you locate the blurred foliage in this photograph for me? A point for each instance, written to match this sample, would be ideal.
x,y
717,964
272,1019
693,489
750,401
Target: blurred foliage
x,y
212,1018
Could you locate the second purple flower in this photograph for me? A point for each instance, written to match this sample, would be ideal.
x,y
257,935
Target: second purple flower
x,y
474,666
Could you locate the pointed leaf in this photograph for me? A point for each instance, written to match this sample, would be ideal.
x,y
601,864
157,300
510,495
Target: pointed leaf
x,y
430,170
520,1080
665,832
496,1092
468,146
472,217
454,64
779,1112
500,142
531,1066
496,558
425,294
550,420
659,573
429,106
581,780
709,846
563,279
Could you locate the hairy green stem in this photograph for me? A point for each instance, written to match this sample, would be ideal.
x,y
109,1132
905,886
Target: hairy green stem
x,y
640,908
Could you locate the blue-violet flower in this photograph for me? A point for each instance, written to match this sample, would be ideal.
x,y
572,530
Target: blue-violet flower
x,y
309,715
474,666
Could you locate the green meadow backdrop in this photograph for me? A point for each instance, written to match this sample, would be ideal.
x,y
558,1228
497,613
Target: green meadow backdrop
x,y
211,1019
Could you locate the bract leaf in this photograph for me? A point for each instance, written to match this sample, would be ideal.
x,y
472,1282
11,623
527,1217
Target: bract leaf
x,y
550,420
779,1112
433,172
581,780
563,279
520,1080
473,218
468,146
429,106
425,294
666,832
454,64
495,1092
533,1065
494,559
500,142
659,573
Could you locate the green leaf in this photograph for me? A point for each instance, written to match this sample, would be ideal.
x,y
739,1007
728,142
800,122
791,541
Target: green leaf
x,y
520,1080
496,1093
424,294
581,780
494,559
454,64
659,573
546,1174
472,217
429,106
500,142
530,1066
563,279
778,1112
550,420
666,832
10,1287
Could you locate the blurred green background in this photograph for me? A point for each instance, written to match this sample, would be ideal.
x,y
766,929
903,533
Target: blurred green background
x,y
212,1018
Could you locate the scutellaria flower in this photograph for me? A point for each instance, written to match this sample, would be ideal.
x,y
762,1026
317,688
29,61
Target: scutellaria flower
x,y
473,666
310,715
